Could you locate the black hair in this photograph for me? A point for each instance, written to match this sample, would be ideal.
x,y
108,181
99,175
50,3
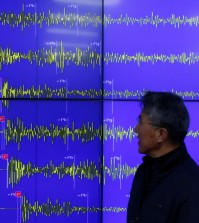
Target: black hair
x,y
167,110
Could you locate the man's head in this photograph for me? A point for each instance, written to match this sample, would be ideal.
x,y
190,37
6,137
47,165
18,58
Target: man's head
x,y
163,123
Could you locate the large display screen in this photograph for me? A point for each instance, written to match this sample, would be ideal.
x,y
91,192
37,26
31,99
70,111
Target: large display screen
x,y
72,73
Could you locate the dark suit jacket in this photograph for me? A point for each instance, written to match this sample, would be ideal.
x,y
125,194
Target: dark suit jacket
x,y
165,190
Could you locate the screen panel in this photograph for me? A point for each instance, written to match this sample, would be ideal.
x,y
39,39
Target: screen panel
x,y
49,48
150,46
121,157
51,161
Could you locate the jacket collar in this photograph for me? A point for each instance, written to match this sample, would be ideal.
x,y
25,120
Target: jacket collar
x,y
167,161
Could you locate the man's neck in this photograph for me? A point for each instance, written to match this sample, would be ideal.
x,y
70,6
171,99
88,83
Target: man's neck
x,y
164,148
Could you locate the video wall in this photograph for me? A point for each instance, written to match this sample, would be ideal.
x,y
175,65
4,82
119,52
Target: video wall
x,y
71,76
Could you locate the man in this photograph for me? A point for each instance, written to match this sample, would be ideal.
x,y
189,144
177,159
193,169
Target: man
x,y
166,185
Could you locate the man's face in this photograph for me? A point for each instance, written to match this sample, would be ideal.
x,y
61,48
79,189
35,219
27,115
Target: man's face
x,y
147,135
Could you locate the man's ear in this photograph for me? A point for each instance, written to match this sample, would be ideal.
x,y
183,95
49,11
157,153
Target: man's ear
x,y
162,134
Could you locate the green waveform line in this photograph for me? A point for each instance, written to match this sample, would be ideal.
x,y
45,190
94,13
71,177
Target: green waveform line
x,y
32,92
115,94
183,58
49,209
118,133
18,170
50,56
74,19
88,170
193,134
126,94
44,92
154,20
64,208
186,94
114,209
47,92
16,132
90,57
68,20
